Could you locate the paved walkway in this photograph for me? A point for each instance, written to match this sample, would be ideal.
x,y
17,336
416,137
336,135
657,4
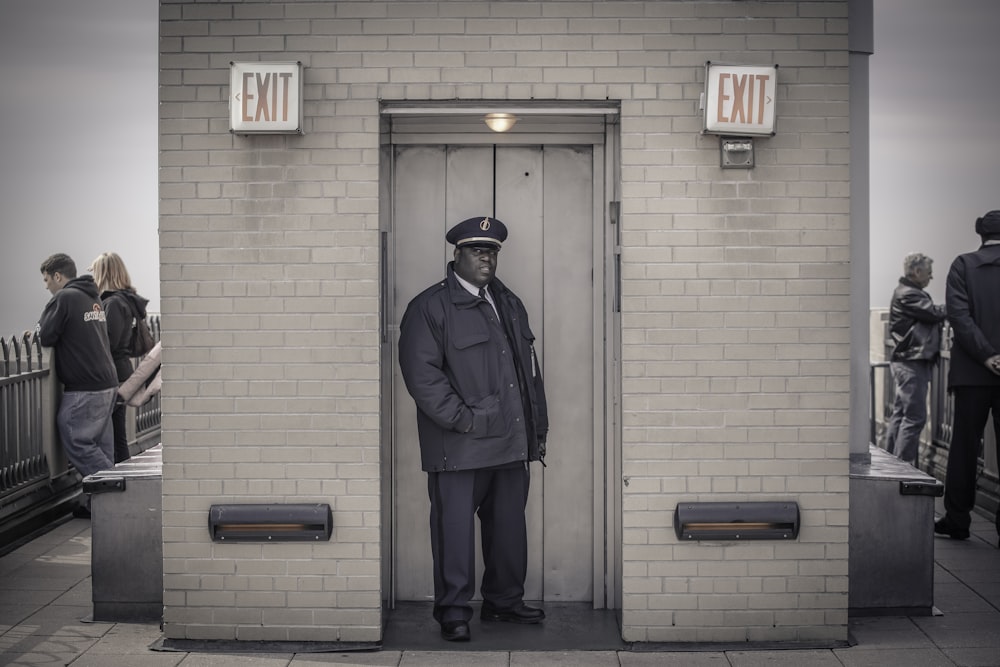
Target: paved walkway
x,y
45,596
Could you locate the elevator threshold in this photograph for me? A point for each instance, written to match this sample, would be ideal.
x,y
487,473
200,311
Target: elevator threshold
x,y
568,626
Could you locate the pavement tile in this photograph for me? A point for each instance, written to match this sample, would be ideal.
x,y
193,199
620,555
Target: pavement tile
x,y
80,595
974,657
126,638
151,660
41,650
63,621
12,614
973,630
812,658
959,598
13,561
359,659
233,659
990,592
564,658
453,659
673,659
888,632
891,657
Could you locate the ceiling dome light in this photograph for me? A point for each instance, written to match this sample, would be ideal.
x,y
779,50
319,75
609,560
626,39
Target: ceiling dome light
x,y
500,122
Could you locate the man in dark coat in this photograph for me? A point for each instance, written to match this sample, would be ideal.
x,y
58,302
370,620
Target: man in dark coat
x,y
468,360
972,297
915,328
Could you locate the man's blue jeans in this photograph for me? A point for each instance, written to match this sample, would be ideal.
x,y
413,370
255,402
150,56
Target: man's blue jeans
x,y
909,408
88,436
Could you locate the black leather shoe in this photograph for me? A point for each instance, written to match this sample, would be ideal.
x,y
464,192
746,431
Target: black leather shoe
x,y
81,512
519,613
944,526
455,631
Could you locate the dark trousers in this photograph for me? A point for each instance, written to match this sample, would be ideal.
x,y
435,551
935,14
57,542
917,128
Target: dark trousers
x,y
121,436
972,409
909,408
498,496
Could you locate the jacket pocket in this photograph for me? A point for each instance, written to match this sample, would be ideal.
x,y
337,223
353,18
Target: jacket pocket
x,y
466,340
487,420
529,345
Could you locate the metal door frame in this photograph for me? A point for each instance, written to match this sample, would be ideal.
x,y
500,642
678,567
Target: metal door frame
x,y
595,124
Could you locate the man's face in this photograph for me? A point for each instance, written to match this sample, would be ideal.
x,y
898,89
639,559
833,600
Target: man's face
x,y
53,281
477,264
922,274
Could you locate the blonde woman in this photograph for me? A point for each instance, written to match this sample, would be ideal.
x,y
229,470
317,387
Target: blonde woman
x,y
121,304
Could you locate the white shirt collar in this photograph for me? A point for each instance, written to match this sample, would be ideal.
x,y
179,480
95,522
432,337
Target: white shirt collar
x,y
469,287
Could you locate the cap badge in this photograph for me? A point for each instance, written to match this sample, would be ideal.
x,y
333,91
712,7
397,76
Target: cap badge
x,y
485,224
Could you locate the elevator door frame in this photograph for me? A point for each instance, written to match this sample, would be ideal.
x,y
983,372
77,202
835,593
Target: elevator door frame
x,y
576,128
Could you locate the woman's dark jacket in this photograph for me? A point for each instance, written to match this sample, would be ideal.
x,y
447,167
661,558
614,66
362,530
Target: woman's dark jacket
x,y
122,306
972,295
465,376
914,323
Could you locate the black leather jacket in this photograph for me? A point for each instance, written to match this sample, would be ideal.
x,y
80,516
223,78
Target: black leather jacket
x,y
476,381
914,323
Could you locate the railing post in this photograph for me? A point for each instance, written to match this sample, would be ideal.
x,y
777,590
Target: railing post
x,y
51,393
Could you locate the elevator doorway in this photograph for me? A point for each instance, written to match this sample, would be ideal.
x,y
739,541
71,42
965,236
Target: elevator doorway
x,y
553,199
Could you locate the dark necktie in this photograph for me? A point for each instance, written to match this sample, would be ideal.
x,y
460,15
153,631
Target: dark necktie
x,y
482,292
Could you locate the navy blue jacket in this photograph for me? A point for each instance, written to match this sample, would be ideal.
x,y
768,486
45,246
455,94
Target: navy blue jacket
x,y
476,381
972,296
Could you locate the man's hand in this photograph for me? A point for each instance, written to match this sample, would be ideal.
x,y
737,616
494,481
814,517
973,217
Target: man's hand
x,y
541,449
993,363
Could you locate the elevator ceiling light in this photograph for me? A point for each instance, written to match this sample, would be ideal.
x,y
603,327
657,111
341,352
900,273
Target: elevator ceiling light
x,y
500,122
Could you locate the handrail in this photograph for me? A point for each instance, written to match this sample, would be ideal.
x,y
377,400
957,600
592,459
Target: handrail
x,y
31,456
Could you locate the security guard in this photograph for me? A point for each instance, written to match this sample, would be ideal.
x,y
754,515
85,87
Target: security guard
x,y
468,360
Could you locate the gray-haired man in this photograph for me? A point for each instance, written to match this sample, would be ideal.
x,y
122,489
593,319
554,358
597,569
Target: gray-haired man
x,y
915,329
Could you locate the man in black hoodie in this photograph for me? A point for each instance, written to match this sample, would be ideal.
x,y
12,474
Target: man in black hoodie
x,y
74,325
972,295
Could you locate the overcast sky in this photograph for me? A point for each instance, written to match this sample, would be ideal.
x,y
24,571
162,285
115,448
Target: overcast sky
x,y
78,137
935,133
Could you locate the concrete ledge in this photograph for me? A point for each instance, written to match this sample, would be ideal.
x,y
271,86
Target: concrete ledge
x,y
891,552
126,559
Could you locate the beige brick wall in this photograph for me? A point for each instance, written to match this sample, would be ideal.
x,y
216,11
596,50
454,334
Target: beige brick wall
x,y
735,299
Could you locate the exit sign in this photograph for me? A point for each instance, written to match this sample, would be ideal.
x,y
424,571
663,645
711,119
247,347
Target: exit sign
x,y
265,98
740,99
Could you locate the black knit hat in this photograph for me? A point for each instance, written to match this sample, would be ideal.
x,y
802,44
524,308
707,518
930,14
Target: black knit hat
x,y
989,224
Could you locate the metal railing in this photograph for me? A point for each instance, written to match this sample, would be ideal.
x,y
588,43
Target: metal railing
x,y
23,404
935,441
34,472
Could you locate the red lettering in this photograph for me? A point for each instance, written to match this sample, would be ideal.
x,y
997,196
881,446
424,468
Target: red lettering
x,y
285,79
763,78
262,86
244,101
721,112
738,84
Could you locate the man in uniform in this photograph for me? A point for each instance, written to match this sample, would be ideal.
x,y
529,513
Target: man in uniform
x,y
468,360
